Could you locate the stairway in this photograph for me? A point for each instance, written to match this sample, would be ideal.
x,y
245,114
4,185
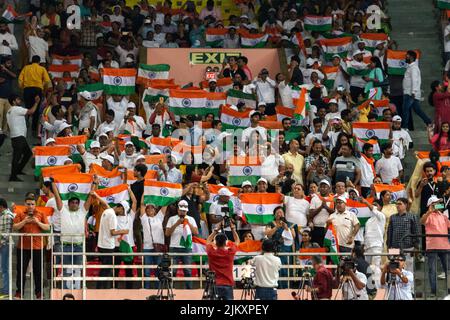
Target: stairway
x,y
415,25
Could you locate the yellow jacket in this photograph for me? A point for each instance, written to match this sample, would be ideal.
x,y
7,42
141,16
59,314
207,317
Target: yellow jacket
x,y
33,75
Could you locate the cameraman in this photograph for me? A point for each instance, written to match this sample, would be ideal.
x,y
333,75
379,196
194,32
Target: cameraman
x,y
220,259
267,267
394,273
221,210
353,281
323,280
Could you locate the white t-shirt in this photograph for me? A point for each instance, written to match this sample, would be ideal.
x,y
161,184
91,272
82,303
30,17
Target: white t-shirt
x,y
344,223
123,223
73,222
248,131
157,231
360,294
119,109
16,121
285,92
297,211
85,120
178,232
38,47
55,218
267,267
319,220
388,169
89,159
128,161
108,222
402,139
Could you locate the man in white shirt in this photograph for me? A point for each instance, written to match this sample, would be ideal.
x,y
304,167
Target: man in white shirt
x,y
168,172
178,226
389,167
125,50
297,208
37,46
127,158
15,118
319,210
271,164
345,223
108,125
255,117
265,89
119,105
401,137
284,90
412,93
357,83
292,21
403,280
93,156
220,208
131,123
267,267
353,282
8,41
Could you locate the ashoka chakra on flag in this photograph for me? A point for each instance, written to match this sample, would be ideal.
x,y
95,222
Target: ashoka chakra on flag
x,y
151,75
117,81
72,187
354,210
370,133
186,102
51,160
247,171
236,121
260,209
104,182
110,199
164,191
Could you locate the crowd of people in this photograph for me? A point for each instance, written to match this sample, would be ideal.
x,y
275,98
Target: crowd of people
x,y
327,180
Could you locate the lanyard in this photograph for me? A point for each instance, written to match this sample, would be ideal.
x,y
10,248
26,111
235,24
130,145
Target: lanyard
x,y
433,187
446,202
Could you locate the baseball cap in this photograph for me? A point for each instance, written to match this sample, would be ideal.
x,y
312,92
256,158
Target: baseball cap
x,y
293,10
183,205
310,61
86,95
356,24
102,135
397,118
332,101
357,52
95,144
253,112
212,80
131,105
128,59
129,143
141,156
341,198
233,107
336,56
433,199
262,180
324,181
67,159
108,158
272,9
246,183
225,192
125,205
262,103
49,140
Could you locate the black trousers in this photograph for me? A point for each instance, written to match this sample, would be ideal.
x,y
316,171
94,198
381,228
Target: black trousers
x,y
317,235
23,258
21,154
107,260
29,95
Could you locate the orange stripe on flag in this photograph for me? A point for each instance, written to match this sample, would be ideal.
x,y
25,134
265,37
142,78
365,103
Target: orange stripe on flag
x,y
73,178
244,161
112,190
154,159
71,140
391,188
67,169
162,184
261,198
125,72
271,124
180,93
51,151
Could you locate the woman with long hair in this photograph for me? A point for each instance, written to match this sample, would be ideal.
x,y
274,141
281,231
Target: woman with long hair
x,y
439,98
375,76
342,139
440,140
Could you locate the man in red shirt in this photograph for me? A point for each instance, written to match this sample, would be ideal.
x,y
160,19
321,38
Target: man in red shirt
x,y
323,280
220,258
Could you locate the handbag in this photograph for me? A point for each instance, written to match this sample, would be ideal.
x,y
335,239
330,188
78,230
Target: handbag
x,y
158,247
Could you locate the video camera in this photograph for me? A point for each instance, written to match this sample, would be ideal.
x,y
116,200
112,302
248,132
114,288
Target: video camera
x,y
393,264
226,218
163,269
209,275
346,264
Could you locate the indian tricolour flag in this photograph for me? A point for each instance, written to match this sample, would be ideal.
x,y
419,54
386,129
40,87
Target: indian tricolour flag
x,y
72,142
396,63
215,36
161,193
107,179
95,89
49,157
378,106
214,194
74,185
77,60
222,85
443,4
150,175
242,169
258,207
11,15
301,105
153,160
318,23
47,172
214,100
165,145
361,210
375,144
369,130
331,73
158,89
186,236
232,119
58,70
425,155
339,46
114,195
373,39
398,191
119,81
236,96
331,242
148,72
186,102
253,40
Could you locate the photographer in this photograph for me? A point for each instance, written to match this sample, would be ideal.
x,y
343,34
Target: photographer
x,y
220,259
399,281
353,282
283,239
267,267
322,286
364,267
222,210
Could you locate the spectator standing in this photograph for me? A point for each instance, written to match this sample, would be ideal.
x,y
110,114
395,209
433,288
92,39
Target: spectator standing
x,y
267,266
320,209
346,224
403,281
7,77
322,286
6,226
389,167
8,41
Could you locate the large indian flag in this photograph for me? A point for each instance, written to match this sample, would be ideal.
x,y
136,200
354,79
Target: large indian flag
x,y
236,96
95,90
186,102
148,72
49,157
73,185
253,40
301,105
158,89
119,81
215,36
242,169
72,142
339,46
258,207
222,85
114,195
369,130
107,178
373,39
161,193
66,169
444,155
361,210
331,73
214,194
331,242
214,100
57,70
443,4
318,23
398,191
396,63
232,119
58,60
153,160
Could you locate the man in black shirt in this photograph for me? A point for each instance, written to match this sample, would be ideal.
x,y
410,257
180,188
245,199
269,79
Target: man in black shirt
x,y
194,200
138,190
7,77
297,75
427,186
233,69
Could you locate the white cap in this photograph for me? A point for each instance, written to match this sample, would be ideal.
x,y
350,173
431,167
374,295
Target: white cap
x,y
433,199
272,9
341,198
125,205
212,80
131,105
337,117
102,135
108,158
357,52
49,140
244,16
325,182
233,107
225,192
63,126
356,24
246,183
262,103
262,180
183,205
95,144
397,118
128,59
293,10
285,38
141,156
354,190
99,35
129,143
310,61
86,95
155,150
332,101
107,129
336,56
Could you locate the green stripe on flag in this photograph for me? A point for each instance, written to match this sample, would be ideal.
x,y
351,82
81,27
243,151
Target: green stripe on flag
x,y
155,67
396,71
259,218
443,4
98,86
67,196
237,180
158,200
319,28
197,111
119,90
329,56
154,99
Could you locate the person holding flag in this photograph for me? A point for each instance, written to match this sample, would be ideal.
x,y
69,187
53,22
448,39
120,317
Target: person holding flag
x,y
180,229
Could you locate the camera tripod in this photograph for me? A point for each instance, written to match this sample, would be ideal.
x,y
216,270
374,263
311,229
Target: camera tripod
x,y
210,292
248,292
350,284
165,286
393,287
301,293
